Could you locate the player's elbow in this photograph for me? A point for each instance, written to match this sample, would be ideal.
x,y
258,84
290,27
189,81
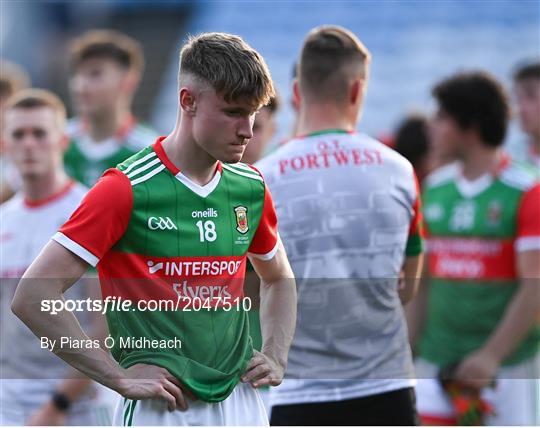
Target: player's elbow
x,y
17,307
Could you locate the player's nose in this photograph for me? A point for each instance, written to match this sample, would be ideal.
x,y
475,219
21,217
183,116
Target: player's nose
x,y
245,128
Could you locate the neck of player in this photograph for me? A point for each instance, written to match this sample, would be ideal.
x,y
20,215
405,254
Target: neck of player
x,y
479,160
105,124
189,157
39,187
318,117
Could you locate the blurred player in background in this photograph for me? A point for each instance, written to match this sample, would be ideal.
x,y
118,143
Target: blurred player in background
x,y
349,215
36,387
527,92
12,79
482,215
106,69
181,202
412,142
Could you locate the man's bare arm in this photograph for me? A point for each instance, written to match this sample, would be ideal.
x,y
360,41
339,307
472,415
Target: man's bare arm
x,y
412,269
278,319
75,385
53,272
479,368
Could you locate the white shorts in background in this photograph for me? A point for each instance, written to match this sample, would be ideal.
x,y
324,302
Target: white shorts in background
x,y
243,407
515,398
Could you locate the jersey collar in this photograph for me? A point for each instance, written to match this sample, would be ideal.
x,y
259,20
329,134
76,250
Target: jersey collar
x,y
325,132
45,201
472,188
202,191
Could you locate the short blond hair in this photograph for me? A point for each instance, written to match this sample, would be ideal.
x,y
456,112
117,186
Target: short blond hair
x,y
109,44
229,65
331,55
36,98
13,78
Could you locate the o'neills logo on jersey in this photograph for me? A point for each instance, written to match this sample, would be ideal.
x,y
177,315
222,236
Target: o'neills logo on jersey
x,y
208,213
241,219
202,292
194,268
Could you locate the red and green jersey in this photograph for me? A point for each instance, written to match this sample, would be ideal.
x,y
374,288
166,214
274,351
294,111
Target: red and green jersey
x,y
475,231
155,235
86,160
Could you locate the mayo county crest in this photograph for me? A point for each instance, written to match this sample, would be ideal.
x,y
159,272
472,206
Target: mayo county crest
x,y
241,219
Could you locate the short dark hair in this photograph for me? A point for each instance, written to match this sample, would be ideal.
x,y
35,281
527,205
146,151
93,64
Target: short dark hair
x,y
476,100
412,138
527,71
109,44
229,65
330,56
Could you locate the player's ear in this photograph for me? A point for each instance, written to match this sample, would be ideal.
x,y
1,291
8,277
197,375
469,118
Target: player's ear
x,y
355,91
296,95
187,101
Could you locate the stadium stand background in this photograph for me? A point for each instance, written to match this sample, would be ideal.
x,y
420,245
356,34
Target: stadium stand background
x,y
414,43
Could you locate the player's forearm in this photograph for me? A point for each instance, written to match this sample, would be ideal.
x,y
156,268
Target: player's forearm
x,y
95,363
520,316
278,318
412,269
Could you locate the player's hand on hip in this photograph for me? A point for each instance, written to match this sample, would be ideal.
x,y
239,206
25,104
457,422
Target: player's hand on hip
x,y
263,370
49,415
147,381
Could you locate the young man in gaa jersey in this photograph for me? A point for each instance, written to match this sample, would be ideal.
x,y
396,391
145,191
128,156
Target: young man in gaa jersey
x,y
175,223
106,68
349,213
483,220
36,387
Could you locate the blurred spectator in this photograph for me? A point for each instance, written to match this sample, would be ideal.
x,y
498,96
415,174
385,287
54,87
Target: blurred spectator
x,y
106,70
412,142
37,387
527,91
482,214
13,78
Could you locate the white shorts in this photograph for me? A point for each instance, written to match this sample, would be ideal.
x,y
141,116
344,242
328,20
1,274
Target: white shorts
x,y
515,398
243,407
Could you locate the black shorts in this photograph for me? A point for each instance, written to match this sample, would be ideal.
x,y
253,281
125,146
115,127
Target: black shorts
x,y
390,408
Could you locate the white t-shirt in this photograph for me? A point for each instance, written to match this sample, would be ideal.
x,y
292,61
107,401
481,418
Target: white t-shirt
x,y
347,208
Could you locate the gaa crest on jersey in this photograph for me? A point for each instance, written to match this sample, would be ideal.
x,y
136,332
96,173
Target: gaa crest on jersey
x,y
241,219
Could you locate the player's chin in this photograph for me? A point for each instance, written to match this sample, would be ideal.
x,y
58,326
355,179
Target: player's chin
x,y
233,157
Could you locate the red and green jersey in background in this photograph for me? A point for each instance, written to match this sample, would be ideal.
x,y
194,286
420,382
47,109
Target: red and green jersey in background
x,y
475,230
156,235
85,160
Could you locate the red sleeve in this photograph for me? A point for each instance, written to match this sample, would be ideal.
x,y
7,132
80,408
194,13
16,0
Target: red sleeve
x,y
528,221
417,227
265,242
415,241
101,218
